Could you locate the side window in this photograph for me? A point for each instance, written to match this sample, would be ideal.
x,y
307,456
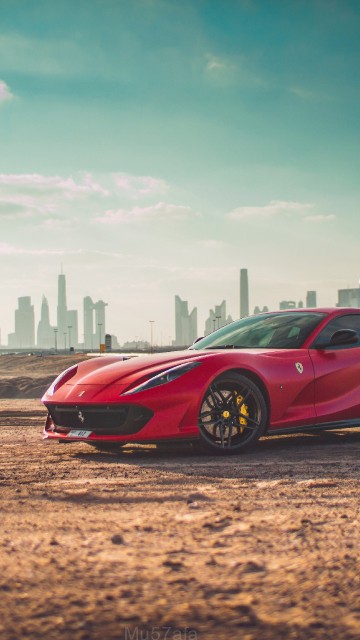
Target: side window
x,y
342,322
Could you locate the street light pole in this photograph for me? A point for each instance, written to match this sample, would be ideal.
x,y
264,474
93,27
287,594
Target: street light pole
x,y
99,325
151,335
65,340
218,319
55,337
70,327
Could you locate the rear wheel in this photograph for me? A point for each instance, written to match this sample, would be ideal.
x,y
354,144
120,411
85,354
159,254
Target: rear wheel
x,y
233,414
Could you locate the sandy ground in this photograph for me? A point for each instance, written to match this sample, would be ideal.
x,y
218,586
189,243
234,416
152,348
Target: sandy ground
x,y
169,544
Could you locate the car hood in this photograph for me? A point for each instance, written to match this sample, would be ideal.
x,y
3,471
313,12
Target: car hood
x,y
105,371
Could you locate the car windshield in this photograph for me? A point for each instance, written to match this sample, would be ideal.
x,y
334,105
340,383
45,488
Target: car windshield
x,y
264,331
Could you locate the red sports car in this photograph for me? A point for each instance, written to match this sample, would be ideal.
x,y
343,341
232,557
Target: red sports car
x,y
271,373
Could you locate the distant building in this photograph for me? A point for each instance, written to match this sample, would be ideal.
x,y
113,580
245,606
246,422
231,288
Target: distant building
x,y
185,323
217,318
67,320
72,327
244,293
45,332
258,310
349,298
88,323
94,323
24,335
99,308
311,299
62,323
287,304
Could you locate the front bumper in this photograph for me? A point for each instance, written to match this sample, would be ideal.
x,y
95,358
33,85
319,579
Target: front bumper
x,y
101,420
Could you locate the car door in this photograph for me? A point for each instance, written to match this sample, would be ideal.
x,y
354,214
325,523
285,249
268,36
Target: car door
x,y
337,372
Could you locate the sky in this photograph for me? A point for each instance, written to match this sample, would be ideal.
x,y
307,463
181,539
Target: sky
x,y
153,148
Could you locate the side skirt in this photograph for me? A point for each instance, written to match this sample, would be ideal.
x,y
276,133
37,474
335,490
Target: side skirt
x,y
340,424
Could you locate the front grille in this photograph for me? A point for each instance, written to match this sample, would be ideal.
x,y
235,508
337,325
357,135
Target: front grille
x,y
101,419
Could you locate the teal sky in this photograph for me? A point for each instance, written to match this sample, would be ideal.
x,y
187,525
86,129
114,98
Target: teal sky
x,y
155,147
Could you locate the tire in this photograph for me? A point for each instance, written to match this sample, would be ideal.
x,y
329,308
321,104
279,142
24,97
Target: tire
x,y
233,414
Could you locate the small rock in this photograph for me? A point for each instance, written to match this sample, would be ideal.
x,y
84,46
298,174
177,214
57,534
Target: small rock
x,y
253,567
54,542
173,564
193,505
117,538
195,497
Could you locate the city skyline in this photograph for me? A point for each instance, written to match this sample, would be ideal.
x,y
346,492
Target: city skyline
x,y
92,325
156,147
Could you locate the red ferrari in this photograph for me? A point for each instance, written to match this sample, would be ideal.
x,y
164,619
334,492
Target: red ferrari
x,y
267,374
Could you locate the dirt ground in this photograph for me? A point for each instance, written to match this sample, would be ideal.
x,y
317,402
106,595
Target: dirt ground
x,y
151,544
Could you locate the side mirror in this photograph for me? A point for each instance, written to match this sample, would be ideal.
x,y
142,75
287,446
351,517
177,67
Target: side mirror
x,y
343,337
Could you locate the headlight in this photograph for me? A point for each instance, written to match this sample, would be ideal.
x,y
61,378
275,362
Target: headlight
x,y
163,378
61,379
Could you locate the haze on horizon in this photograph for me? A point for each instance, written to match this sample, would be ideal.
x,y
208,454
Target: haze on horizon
x,y
155,147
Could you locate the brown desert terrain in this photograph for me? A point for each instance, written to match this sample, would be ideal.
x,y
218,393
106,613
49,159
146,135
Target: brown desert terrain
x,y
152,543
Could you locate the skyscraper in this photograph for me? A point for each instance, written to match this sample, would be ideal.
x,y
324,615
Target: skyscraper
x,y
217,318
24,335
45,332
185,323
244,293
349,298
72,326
94,322
67,320
311,299
99,308
62,320
88,323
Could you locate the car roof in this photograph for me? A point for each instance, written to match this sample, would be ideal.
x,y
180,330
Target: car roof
x,y
326,310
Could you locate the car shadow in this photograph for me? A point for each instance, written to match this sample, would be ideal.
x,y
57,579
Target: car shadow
x,y
321,454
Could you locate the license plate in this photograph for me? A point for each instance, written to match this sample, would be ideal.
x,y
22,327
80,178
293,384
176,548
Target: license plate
x,y
78,433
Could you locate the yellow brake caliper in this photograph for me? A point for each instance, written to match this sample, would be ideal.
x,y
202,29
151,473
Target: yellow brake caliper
x,y
243,411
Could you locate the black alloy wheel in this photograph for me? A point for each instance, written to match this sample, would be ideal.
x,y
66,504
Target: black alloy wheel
x,y
233,414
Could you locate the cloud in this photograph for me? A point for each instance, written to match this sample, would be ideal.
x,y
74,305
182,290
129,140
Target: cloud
x,y
5,93
221,71
11,250
235,69
215,64
67,186
139,186
161,210
320,218
20,206
29,195
270,210
307,95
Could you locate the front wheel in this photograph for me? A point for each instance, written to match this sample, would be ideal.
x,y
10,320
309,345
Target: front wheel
x,y
233,414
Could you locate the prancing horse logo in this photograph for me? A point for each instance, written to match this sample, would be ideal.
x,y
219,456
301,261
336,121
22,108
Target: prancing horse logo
x,y
299,367
81,417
